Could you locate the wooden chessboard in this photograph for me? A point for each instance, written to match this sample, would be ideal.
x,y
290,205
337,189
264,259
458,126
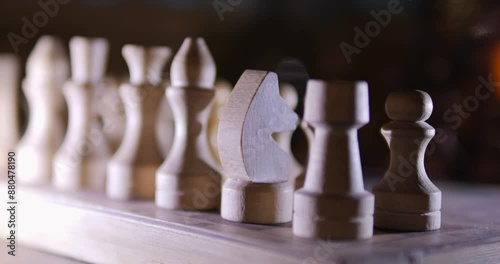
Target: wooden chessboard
x,y
89,227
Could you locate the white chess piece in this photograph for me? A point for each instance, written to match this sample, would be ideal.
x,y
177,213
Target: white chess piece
x,y
9,106
81,160
406,199
131,170
111,112
258,190
188,178
284,139
333,202
47,69
222,92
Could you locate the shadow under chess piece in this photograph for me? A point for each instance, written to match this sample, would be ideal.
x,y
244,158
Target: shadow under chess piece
x,y
406,199
258,190
333,202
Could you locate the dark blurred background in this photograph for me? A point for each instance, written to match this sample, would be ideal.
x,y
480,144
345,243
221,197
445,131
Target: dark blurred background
x,y
449,48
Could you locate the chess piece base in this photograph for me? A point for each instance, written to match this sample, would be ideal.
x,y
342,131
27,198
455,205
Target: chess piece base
x,y
258,203
333,216
87,174
125,182
407,221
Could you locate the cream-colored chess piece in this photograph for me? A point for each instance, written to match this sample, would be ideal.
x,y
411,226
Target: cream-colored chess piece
x,y
9,106
333,202
81,160
111,112
258,190
188,178
131,170
165,126
47,69
222,92
284,139
406,199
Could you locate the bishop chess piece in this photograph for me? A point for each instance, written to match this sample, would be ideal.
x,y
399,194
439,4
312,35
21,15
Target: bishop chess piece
x,y
333,202
131,170
258,189
47,69
406,199
188,178
81,160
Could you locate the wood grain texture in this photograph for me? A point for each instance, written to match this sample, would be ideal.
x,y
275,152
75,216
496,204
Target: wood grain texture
x,y
89,227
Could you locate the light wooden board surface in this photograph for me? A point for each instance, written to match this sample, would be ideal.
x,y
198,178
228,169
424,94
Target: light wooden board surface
x,y
26,255
92,228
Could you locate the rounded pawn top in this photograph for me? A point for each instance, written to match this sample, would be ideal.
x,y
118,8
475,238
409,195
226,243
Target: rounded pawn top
x,y
414,105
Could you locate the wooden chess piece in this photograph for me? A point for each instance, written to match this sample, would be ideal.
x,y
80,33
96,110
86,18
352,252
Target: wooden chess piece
x,y
47,69
131,170
222,92
81,160
111,112
188,178
258,190
9,106
406,199
296,174
165,126
333,202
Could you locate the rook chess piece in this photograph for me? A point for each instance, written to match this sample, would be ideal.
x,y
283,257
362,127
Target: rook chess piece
x,y
47,69
258,190
406,199
188,178
333,202
81,160
131,170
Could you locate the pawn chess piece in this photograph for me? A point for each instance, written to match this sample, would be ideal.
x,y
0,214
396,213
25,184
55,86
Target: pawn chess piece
x,y
333,202
9,110
296,174
258,190
81,160
47,69
406,199
131,170
188,178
